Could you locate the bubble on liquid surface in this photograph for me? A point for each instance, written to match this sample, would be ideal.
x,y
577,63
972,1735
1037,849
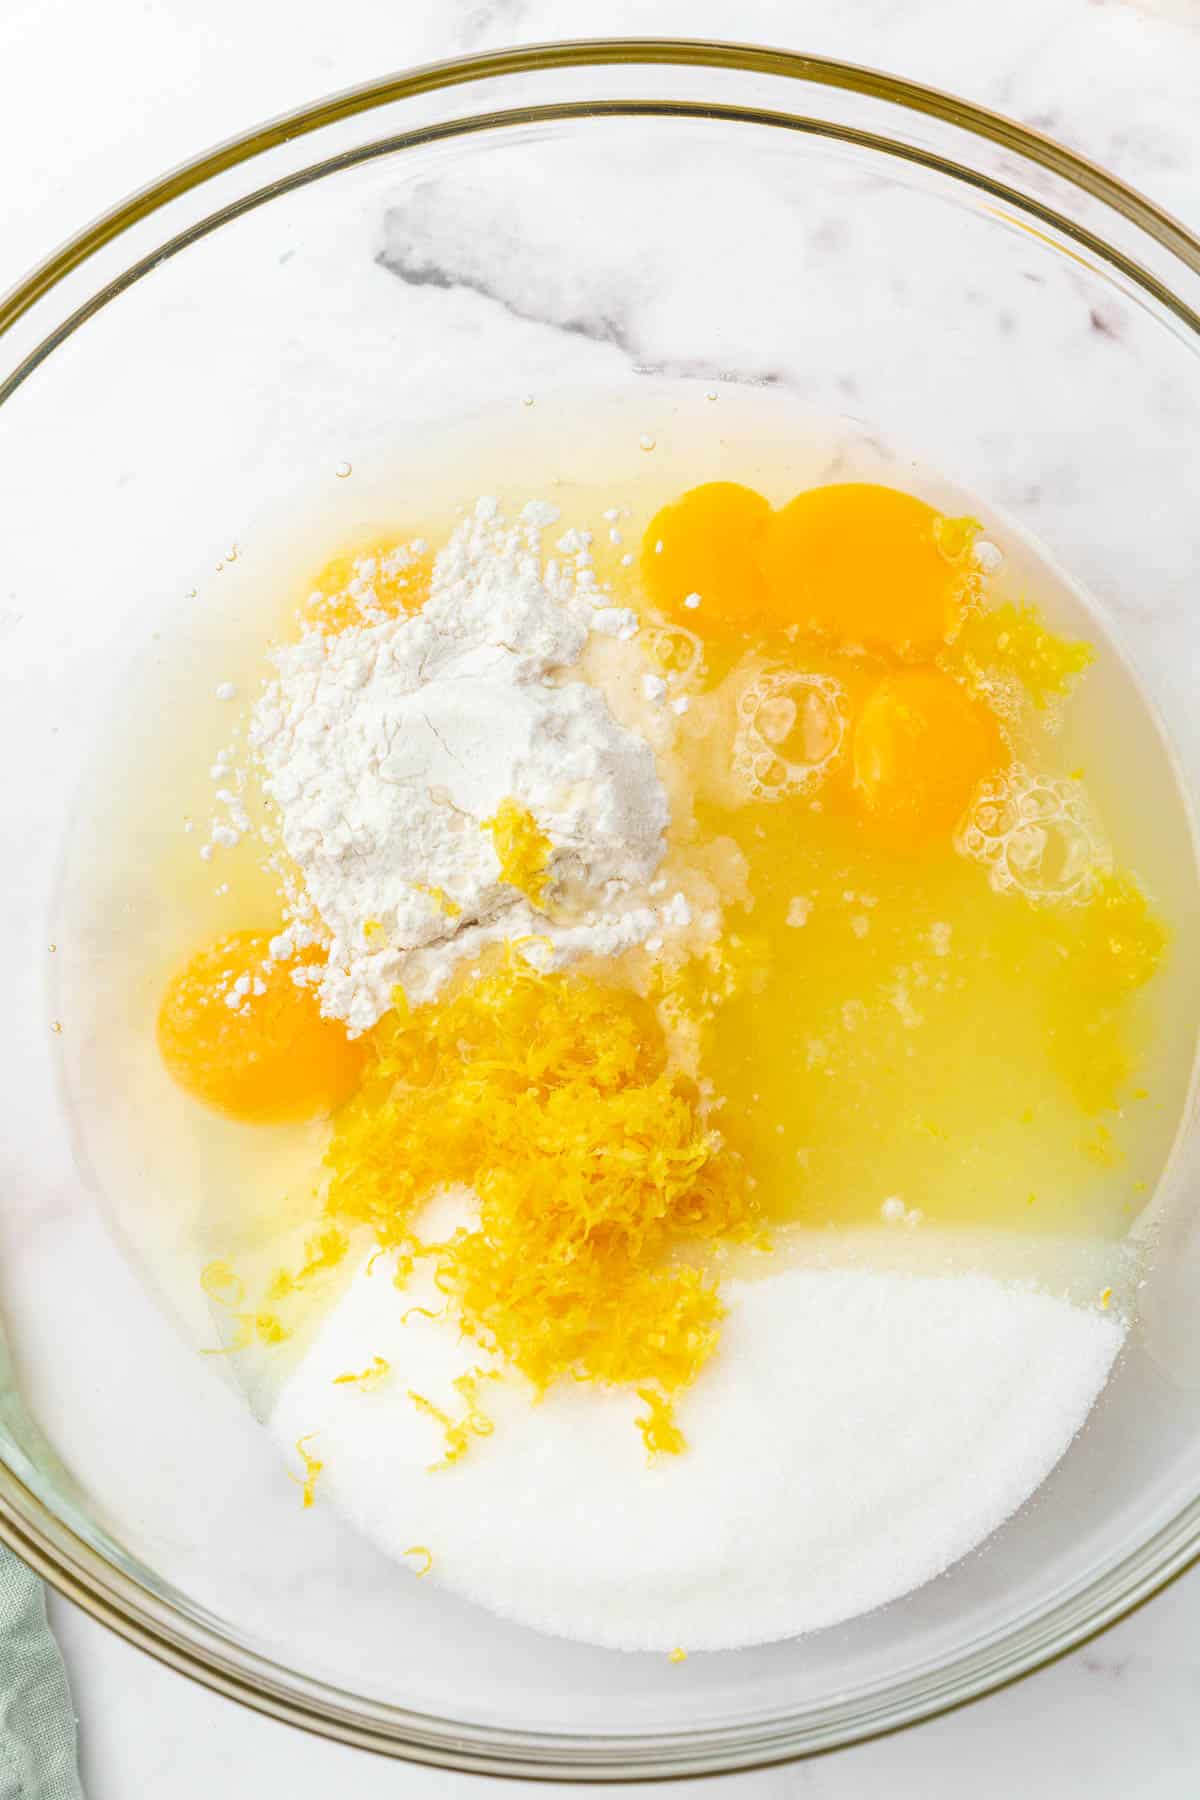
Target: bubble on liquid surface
x,y
678,652
1035,835
790,732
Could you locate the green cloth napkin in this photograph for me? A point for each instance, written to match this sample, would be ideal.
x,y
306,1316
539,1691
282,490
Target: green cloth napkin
x,y
37,1719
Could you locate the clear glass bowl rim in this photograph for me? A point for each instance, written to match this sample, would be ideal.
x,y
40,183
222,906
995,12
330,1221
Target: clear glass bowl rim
x,y
145,1619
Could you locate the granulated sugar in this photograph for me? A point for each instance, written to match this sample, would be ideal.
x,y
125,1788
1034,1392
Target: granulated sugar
x,y
857,1433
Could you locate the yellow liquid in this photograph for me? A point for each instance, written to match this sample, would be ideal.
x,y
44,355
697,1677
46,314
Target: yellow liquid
x,y
903,1038
907,1043
913,1040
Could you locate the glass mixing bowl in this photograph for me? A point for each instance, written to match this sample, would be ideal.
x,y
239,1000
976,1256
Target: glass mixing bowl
x,y
640,219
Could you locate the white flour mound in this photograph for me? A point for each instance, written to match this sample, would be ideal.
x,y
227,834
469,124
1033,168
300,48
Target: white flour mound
x,y
387,747
856,1433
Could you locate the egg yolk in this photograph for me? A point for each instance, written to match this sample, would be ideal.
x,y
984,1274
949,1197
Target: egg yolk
x,y
868,565
238,1033
920,747
379,580
700,557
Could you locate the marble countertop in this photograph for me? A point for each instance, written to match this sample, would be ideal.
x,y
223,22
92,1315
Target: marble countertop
x,y
98,100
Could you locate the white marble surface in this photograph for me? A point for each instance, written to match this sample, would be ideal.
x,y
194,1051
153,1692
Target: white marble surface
x,y
139,84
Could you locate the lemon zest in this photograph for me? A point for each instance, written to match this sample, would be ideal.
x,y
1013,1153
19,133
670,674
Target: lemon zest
x,y
458,1438
955,537
377,1371
476,1420
523,849
1111,948
1103,1149
1015,640
458,1432
312,1468
440,898
677,1655
269,1328
660,1434
243,1336
222,1285
322,1252
551,1098
421,1550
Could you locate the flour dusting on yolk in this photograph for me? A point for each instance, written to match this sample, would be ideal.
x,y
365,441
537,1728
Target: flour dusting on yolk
x,y
700,554
238,1033
378,580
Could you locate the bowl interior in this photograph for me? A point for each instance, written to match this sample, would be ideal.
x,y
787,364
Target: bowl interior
x,y
809,253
